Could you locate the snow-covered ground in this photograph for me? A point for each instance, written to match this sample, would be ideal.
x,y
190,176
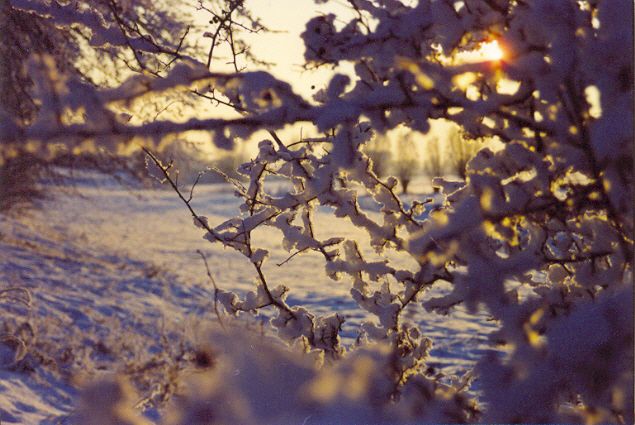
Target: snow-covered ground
x,y
117,285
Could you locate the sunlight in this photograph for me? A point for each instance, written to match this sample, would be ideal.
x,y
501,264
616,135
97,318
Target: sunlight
x,y
318,212
491,51
487,51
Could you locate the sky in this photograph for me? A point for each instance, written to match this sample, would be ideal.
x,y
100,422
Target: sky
x,y
284,48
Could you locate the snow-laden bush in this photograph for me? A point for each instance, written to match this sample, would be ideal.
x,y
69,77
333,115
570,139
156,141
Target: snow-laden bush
x,y
255,380
540,235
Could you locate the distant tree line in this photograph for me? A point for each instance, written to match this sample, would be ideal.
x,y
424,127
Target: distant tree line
x,y
437,156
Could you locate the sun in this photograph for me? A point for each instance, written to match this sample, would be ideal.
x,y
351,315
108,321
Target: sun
x,y
491,51
487,51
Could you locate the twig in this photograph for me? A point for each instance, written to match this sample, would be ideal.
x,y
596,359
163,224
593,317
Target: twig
x,y
113,9
169,179
291,256
211,278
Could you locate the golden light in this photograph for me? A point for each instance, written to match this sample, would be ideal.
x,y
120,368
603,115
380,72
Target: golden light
x,y
491,51
487,51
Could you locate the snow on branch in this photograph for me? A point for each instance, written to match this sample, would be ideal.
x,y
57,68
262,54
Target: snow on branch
x,y
539,236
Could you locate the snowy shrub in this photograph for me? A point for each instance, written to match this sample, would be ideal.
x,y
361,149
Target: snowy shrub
x,y
540,235
254,379
38,29
107,402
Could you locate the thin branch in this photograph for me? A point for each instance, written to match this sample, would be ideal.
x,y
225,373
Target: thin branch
x,y
113,8
169,179
211,278
291,256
